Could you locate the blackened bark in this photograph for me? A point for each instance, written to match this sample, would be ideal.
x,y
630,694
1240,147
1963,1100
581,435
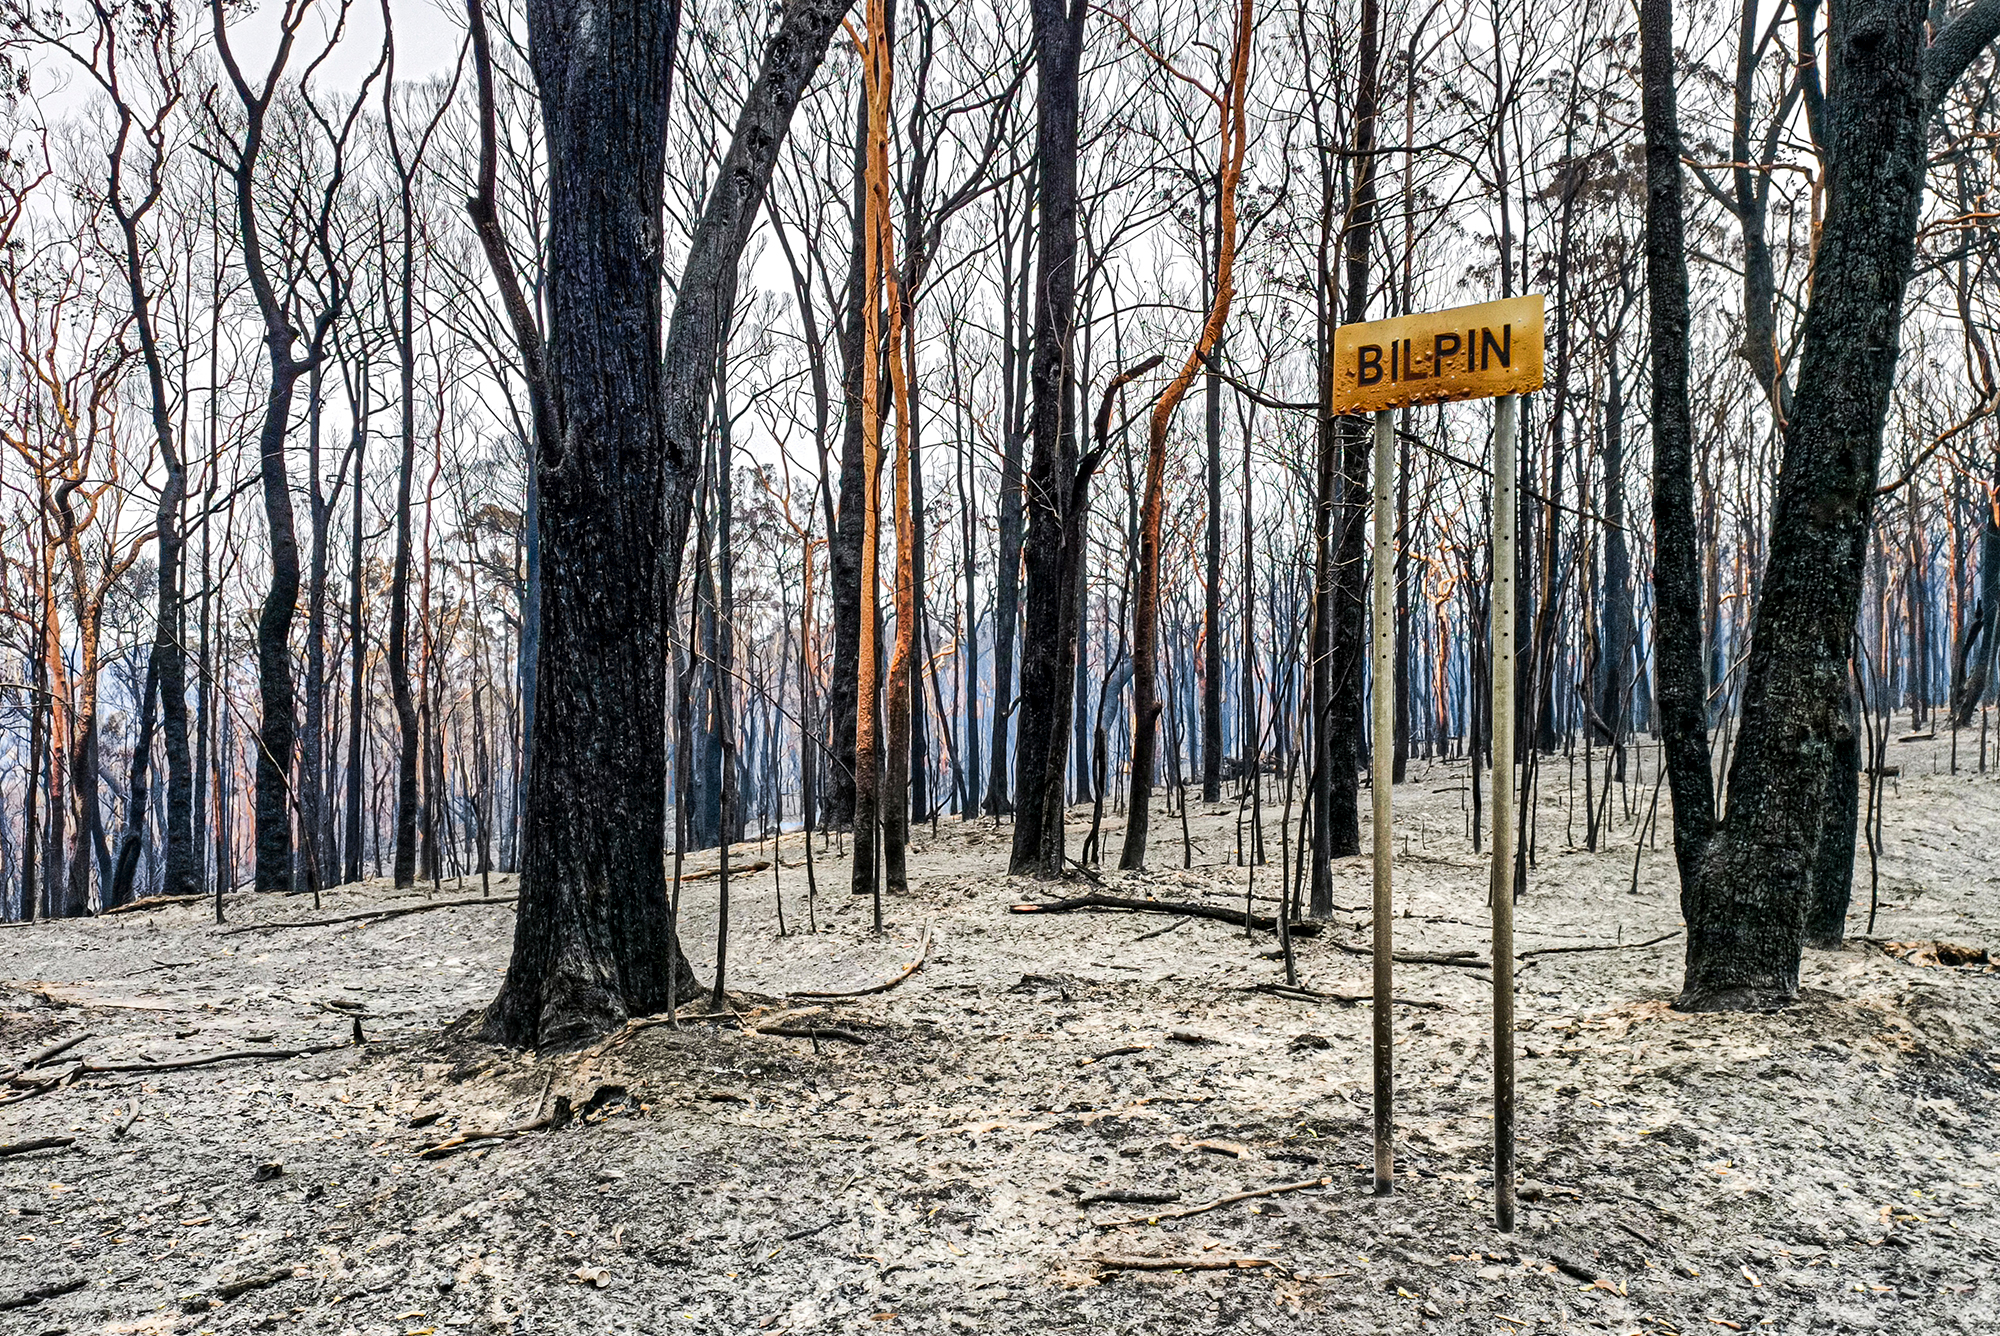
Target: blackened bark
x,y
1833,870
1681,683
409,737
594,940
1319,695
167,669
1338,818
1211,657
1007,570
1753,895
1048,658
844,554
1975,651
1614,678
127,866
357,644
1751,186
311,811
1400,763
276,730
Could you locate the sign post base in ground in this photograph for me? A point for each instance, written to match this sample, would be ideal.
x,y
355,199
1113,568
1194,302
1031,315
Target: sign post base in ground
x,y
1383,763
1501,883
1493,350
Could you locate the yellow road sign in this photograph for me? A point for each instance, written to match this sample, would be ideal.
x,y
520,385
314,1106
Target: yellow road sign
x,y
1469,352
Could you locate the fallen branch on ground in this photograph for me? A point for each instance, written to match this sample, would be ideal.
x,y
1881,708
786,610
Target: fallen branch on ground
x,y
1638,1234
735,870
1185,1212
32,1297
1181,1263
372,914
556,1117
1600,946
1464,960
1927,953
1130,1196
1286,990
39,1143
814,1032
1113,1053
1235,917
923,953
41,1089
41,1059
153,902
181,1064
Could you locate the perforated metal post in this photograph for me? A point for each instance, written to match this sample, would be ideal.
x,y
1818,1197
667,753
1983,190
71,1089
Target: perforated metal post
x,y
1382,770
1501,885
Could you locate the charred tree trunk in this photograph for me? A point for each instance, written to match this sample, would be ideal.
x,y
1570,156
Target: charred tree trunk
x,y
1338,819
1682,682
357,643
1974,671
1790,791
1012,517
1211,624
167,668
135,795
409,741
275,730
844,544
1048,660
594,940
1146,701
1614,683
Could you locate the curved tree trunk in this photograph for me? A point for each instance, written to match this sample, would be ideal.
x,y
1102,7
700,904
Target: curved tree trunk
x,y
1682,683
276,729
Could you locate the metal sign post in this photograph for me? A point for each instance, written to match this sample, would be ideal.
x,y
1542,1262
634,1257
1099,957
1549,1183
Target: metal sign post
x,y
1493,350
1501,883
1382,782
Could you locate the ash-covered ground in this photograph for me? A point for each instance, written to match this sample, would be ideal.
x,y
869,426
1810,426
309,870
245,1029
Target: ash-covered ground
x,y
1827,1169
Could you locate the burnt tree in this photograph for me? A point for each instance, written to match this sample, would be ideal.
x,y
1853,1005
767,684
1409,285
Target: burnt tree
x,y
594,940
1752,894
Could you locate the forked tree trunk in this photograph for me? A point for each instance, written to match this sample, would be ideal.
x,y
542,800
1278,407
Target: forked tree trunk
x,y
594,940
1753,893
